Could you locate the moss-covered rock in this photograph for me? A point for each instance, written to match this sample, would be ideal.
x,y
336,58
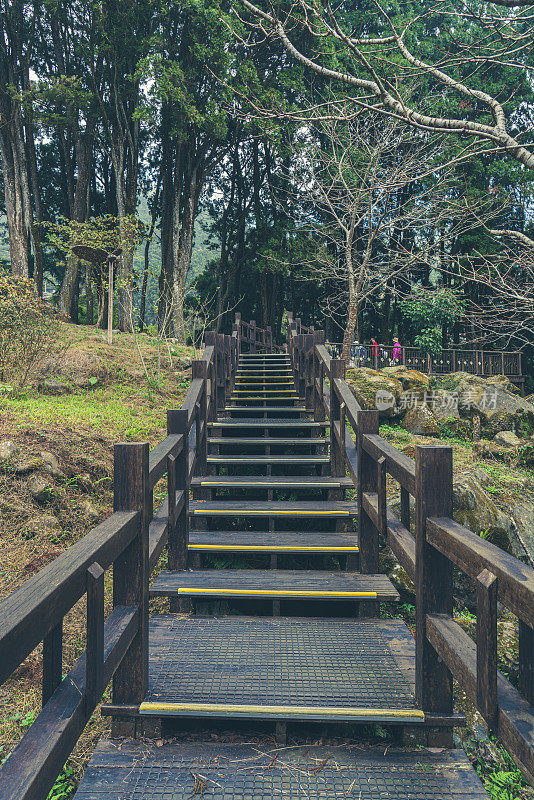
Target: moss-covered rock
x,y
411,380
373,389
420,421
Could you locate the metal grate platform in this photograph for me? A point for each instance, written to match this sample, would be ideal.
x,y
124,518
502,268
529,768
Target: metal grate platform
x,y
279,668
125,770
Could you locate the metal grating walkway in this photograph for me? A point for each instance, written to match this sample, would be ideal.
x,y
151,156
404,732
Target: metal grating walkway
x,y
122,770
285,667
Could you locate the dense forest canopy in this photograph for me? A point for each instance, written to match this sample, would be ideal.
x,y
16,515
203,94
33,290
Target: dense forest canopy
x,y
349,164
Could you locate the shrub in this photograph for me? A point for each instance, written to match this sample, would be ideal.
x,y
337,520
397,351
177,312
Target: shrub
x,y
27,334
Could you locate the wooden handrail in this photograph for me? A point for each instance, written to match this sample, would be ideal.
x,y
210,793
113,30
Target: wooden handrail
x,y
427,551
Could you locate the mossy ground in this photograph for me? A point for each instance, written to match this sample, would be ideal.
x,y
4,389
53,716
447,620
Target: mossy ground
x,y
80,428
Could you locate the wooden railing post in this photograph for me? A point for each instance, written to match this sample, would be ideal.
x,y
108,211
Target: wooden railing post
x,y
200,370
367,422
252,336
178,540
52,661
94,671
526,662
337,450
131,490
308,370
433,575
269,348
487,647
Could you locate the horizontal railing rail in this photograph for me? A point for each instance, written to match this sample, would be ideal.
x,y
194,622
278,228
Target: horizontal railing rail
x,y
428,546
253,339
130,542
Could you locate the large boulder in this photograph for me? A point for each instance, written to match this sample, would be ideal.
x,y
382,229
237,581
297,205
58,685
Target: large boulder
x,y
523,454
493,400
411,380
54,387
374,389
420,421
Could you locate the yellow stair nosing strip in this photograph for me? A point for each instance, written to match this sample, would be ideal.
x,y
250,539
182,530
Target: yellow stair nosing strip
x,y
282,548
390,713
275,592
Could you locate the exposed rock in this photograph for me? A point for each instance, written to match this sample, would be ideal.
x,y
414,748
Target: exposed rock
x,y
399,577
507,439
43,524
411,380
455,426
53,387
499,408
375,390
51,464
87,382
524,454
28,465
474,508
523,514
90,514
184,362
39,488
420,421
8,450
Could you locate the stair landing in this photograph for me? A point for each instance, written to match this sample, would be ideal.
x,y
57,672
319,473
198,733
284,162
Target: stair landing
x,y
133,770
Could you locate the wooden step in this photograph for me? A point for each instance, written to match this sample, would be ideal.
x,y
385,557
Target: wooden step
x,y
261,771
264,440
279,392
274,508
272,542
274,584
276,459
272,482
270,409
266,423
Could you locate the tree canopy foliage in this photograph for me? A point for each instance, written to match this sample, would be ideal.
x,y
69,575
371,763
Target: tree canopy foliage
x,y
253,129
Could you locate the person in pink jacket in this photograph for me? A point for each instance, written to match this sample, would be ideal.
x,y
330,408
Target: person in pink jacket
x,y
397,350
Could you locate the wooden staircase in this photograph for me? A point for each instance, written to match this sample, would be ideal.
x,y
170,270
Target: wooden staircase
x,y
272,504
284,629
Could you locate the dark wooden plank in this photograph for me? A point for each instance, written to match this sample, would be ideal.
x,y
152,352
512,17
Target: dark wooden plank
x,y
272,542
272,481
131,491
35,763
94,671
526,662
288,508
248,770
52,661
472,554
276,459
487,647
309,584
400,466
367,422
433,575
171,446
515,720
31,612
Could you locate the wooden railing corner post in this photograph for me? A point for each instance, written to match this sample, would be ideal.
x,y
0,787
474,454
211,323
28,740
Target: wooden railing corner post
x,y
433,575
131,490
252,336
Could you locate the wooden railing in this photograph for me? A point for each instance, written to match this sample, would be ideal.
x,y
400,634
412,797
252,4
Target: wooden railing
x,y
252,339
477,362
429,550
131,541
